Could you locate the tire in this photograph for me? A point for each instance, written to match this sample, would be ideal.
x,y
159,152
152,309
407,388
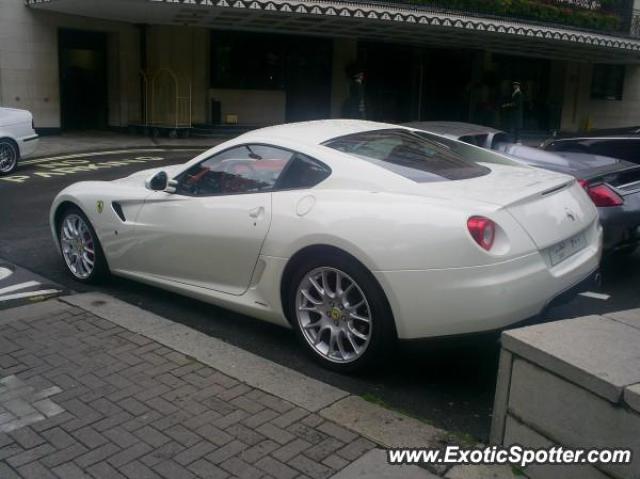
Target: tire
x,y
75,233
9,156
337,317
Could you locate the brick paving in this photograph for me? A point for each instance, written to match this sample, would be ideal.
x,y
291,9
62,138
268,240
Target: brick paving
x,y
83,397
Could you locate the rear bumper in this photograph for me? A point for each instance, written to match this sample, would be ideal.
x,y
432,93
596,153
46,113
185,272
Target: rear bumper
x,y
591,282
621,224
458,301
28,145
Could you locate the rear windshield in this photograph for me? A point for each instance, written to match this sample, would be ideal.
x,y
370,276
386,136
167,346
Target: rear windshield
x,y
408,154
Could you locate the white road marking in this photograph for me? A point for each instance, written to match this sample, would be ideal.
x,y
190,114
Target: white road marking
x,y
16,287
42,292
5,273
82,155
104,153
591,294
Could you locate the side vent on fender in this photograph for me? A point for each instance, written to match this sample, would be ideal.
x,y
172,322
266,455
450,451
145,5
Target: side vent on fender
x,y
117,207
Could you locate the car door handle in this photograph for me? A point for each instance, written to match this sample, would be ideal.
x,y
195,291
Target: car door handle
x,y
256,212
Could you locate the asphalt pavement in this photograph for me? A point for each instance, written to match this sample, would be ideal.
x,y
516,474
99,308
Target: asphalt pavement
x,y
447,383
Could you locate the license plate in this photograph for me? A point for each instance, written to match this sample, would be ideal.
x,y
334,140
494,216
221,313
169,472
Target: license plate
x,y
561,251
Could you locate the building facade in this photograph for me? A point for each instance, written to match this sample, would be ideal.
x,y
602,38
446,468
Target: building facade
x,y
117,63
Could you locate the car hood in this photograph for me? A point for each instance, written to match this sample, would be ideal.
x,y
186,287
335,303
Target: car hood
x,y
11,116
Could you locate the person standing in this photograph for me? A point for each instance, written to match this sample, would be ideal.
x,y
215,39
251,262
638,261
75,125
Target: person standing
x,y
516,109
355,106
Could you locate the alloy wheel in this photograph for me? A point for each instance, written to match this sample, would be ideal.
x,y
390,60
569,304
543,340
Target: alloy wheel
x,y
78,246
8,157
334,315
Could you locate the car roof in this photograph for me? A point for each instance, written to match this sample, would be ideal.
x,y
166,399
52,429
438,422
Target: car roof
x,y
452,128
315,132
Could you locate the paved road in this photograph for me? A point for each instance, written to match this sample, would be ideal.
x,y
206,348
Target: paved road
x,y
448,383
19,286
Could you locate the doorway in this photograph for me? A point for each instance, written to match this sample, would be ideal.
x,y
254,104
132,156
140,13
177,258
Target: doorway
x,y
534,76
308,83
446,78
389,81
299,67
83,79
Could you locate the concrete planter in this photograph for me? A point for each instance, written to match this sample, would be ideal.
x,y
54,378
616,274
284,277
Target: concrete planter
x,y
572,383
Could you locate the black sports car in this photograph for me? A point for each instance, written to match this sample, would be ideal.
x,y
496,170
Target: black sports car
x,y
623,147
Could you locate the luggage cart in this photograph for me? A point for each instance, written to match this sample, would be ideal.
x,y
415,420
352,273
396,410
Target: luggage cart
x,y
167,104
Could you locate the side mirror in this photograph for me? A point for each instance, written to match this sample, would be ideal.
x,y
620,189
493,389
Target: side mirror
x,y
158,182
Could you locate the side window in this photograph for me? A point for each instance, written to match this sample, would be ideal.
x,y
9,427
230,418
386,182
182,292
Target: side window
x,y
499,138
303,172
243,169
476,140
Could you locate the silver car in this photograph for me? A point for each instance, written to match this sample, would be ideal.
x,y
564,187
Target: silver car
x,y
612,184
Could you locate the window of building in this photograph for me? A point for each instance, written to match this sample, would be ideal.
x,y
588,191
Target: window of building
x,y
248,61
607,82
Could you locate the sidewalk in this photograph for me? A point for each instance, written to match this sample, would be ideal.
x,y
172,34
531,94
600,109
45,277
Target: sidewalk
x,y
93,387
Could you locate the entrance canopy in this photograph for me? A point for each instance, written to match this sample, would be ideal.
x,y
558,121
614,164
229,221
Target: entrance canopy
x,y
367,21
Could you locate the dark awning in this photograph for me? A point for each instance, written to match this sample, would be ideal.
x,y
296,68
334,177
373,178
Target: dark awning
x,y
367,21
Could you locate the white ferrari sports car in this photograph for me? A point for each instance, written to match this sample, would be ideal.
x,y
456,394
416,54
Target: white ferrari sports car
x,y
354,233
18,138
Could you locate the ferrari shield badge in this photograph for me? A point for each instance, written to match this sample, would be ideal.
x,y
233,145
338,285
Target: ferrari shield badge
x,y
100,206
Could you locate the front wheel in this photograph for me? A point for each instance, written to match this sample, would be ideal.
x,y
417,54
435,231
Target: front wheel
x,y
9,156
80,247
340,313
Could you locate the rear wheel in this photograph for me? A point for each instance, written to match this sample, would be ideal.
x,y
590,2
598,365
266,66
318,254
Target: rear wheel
x,y
9,156
80,247
340,313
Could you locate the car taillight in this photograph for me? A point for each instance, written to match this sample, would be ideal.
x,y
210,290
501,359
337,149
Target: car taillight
x,y
482,230
602,195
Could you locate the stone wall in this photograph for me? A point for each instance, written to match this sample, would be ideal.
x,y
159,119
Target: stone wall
x,y
580,111
29,75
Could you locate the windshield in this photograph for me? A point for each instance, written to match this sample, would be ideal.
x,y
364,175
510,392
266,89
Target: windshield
x,y
408,154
